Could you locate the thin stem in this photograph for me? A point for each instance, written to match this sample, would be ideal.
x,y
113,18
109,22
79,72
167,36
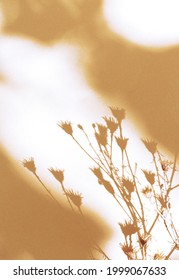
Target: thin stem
x,y
154,193
105,159
89,155
128,203
111,146
156,168
138,195
173,170
168,231
171,252
153,224
122,208
122,163
164,172
52,197
120,130
131,209
90,144
130,206
101,251
174,229
64,190
171,189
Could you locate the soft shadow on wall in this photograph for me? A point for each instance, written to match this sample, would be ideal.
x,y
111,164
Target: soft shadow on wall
x,y
35,227
144,80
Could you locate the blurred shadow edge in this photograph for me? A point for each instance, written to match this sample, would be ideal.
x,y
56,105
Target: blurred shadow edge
x,y
34,227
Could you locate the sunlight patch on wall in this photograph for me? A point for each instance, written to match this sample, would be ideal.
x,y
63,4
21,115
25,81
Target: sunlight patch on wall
x,y
149,23
44,85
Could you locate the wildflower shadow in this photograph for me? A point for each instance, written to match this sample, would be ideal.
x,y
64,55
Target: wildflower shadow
x,y
124,185
33,225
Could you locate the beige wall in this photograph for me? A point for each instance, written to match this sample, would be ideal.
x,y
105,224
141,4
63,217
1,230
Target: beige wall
x,y
143,80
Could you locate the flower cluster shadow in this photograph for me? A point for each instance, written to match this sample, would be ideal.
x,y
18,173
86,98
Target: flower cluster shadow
x,y
130,188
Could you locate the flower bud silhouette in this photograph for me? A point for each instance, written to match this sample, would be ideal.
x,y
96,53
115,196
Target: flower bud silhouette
x,y
122,142
58,174
67,127
150,145
97,172
128,228
150,176
29,164
76,198
108,186
101,135
128,250
80,126
119,114
159,256
128,184
147,191
112,125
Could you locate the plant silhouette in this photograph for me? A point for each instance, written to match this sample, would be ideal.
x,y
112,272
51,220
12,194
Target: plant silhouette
x,y
145,82
34,226
122,182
